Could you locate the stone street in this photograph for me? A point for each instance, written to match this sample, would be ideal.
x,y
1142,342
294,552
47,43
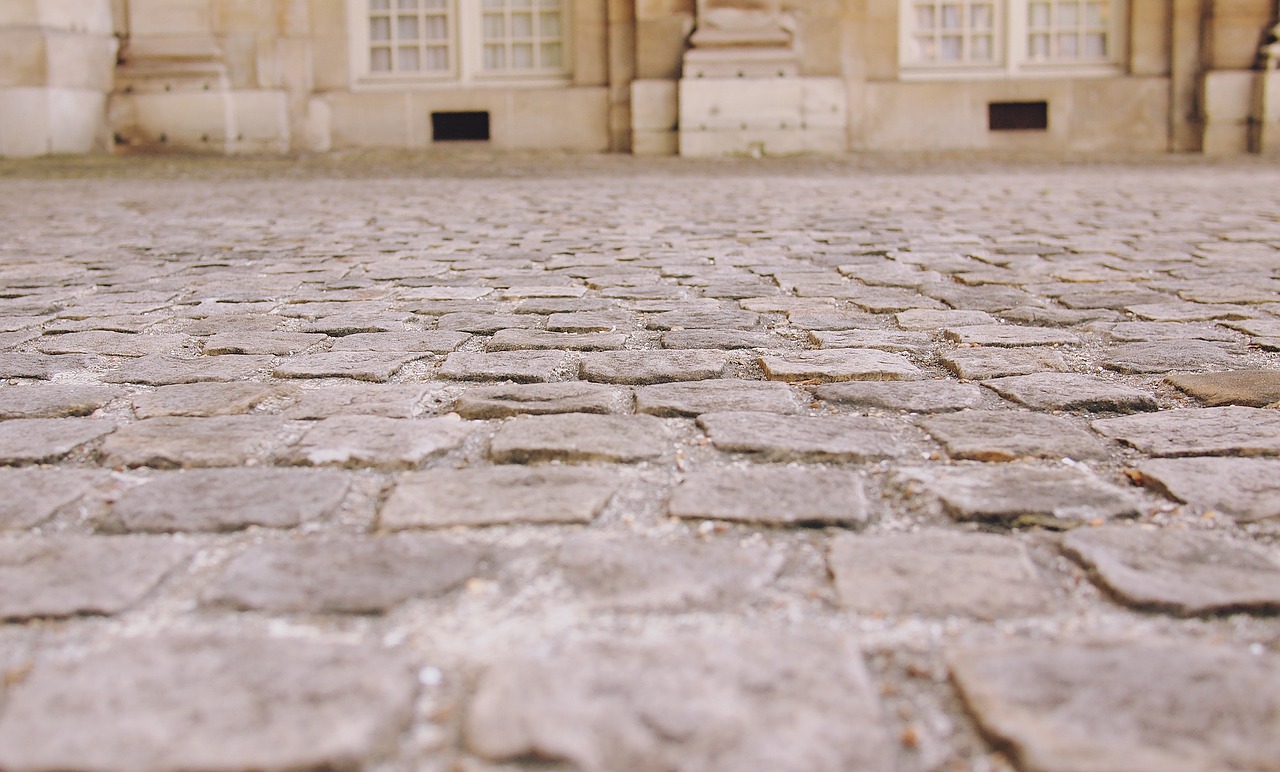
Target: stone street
x,y
513,462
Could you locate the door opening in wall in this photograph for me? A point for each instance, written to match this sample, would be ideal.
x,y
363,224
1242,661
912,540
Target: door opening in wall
x,y
460,126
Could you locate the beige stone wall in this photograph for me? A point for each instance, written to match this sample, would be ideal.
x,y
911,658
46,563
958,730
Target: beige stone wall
x,y
56,63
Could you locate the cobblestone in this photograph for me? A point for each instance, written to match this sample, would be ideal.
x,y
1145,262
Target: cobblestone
x,y
458,460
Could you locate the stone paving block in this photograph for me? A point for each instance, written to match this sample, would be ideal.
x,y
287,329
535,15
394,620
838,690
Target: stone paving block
x,y
1006,492
824,319
169,442
1177,572
802,438
394,400
888,300
21,364
517,340
53,400
377,442
175,703
933,319
276,342
160,370
1167,356
550,291
1007,435
64,576
1140,705
343,575
592,321
432,341
1069,391
1175,311
1251,388
498,495
1137,332
640,574
653,366
204,399
839,365
977,364
704,319
580,437
884,340
751,703
1209,431
696,397
487,324
109,343
548,306
937,573
44,440
1247,489
359,365
354,324
228,500
31,495
1009,335
722,339
772,495
505,400
519,366
912,396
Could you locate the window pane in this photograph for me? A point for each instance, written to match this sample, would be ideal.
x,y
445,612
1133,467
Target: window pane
x,y
407,28
521,25
1096,14
494,26
982,49
1095,45
407,5
434,5
379,29
1039,47
551,56
379,5
522,56
1067,46
1039,16
1068,14
495,57
925,17
952,48
492,3
380,60
951,18
437,28
550,25
521,3
408,59
980,17
437,59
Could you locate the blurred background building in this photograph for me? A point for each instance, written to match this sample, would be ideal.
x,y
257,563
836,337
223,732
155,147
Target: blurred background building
x,y
653,77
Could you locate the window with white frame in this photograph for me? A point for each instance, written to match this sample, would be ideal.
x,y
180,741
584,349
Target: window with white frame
x,y
1011,37
466,40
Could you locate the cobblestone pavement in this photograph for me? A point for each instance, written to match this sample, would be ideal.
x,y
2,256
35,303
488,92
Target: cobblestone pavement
x,y
506,462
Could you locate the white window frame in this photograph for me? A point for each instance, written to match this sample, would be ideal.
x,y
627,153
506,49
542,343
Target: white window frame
x,y
1011,55
466,52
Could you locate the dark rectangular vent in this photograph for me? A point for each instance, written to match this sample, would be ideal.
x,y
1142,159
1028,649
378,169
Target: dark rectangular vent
x,y
1018,116
459,126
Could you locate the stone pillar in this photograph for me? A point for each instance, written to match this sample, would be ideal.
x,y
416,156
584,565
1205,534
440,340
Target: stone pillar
x,y
1266,139
741,92
56,62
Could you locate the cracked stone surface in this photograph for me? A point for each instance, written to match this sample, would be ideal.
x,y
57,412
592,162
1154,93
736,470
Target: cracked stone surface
x,y
777,495
977,575
1181,573
1125,705
683,702
680,453
184,703
68,576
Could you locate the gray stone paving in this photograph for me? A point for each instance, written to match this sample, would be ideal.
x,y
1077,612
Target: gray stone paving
x,y
497,463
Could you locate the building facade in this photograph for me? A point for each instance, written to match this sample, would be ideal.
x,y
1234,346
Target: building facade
x,y
652,77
